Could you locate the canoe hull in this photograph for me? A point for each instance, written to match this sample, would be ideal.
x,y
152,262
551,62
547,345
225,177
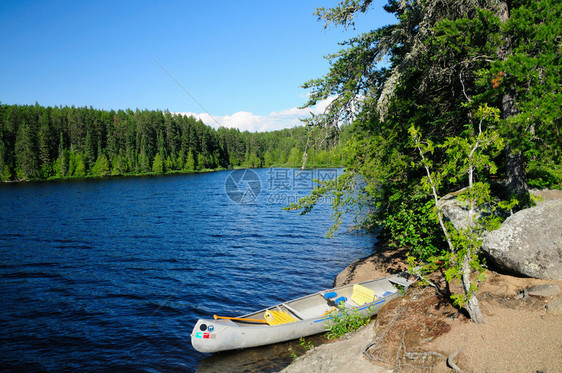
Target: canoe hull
x,y
211,335
222,335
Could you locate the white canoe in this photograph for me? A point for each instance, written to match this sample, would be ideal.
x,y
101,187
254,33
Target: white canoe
x,y
297,318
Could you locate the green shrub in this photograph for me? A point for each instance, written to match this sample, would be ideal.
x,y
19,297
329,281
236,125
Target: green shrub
x,y
414,226
542,177
342,321
307,345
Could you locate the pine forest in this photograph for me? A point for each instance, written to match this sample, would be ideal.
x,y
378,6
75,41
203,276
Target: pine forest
x,y
39,143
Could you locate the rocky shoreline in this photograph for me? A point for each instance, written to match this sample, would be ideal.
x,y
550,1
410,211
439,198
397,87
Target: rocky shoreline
x,y
523,328
522,332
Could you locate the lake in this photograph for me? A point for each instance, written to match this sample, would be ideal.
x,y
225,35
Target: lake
x,y
111,274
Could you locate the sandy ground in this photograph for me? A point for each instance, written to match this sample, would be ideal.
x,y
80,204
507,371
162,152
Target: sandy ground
x,y
518,335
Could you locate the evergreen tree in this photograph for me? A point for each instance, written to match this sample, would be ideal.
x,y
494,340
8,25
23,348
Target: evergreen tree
x,y
68,142
116,165
89,150
44,146
170,164
5,173
79,164
189,162
268,158
26,153
295,157
200,164
144,161
157,164
101,167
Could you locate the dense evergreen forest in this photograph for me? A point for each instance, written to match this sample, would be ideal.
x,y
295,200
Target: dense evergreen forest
x,y
39,142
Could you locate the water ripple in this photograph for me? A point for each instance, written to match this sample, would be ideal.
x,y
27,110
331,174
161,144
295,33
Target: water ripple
x,y
110,275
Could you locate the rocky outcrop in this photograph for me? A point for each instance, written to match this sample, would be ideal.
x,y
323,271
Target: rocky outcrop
x,y
344,355
454,210
529,243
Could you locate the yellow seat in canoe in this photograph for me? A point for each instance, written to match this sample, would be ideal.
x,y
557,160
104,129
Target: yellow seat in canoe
x,y
362,295
278,317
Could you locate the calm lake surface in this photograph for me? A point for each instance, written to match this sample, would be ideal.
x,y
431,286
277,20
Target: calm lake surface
x,y
112,274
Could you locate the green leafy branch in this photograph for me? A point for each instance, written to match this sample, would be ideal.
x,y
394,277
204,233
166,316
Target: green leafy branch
x,y
465,155
342,321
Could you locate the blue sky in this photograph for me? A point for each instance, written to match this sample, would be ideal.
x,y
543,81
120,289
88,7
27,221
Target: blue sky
x,y
243,61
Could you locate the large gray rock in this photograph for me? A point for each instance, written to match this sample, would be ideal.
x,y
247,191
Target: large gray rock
x,y
529,243
454,210
457,212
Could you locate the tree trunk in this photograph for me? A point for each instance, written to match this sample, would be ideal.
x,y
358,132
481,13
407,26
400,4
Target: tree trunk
x,y
472,305
474,310
516,174
514,160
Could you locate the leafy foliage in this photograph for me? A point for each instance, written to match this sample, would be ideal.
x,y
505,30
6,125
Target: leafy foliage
x,y
343,321
457,85
415,227
308,345
466,154
545,176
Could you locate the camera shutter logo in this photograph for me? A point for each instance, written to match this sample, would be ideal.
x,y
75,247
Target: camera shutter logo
x,y
243,186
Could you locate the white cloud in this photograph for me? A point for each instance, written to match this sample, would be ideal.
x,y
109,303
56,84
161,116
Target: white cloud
x,y
247,121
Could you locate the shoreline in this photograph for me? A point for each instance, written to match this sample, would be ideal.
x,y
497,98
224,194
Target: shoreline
x,y
346,353
523,333
157,174
382,262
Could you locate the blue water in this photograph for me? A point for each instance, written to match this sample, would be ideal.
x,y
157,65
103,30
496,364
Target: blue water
x,y
112,274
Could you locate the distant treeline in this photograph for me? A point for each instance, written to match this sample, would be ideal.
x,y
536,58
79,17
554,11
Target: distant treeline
x,y
39,142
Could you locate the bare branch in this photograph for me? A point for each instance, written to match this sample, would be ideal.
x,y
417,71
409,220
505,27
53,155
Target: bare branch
x,y
451,363
463,89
